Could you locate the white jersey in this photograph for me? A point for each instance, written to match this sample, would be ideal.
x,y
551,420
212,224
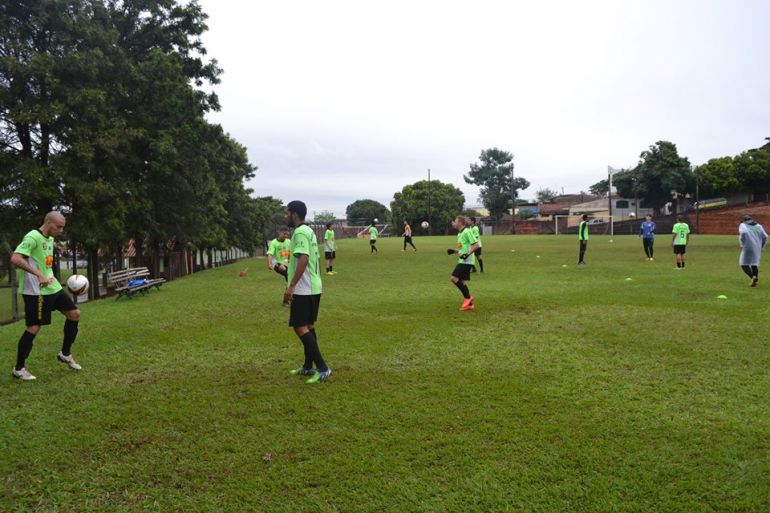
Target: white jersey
x,y
753,239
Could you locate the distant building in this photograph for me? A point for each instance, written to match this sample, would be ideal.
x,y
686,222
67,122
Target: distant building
x,y
621,208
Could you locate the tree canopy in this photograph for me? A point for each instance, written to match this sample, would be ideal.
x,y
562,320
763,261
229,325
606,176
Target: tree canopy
x,y
493,175
411,204
365,211
102,108
660,176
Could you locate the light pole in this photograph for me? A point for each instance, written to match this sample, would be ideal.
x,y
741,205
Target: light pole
x,y
513,198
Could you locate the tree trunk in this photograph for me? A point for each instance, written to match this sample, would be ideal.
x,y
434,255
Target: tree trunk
x,y
93,273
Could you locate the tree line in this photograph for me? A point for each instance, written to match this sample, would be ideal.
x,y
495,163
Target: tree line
x,y
662,176
439,202
102,116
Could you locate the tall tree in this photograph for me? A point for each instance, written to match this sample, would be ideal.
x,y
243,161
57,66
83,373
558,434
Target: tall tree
x,y
717,177
600,188
660,177
411,204
364,211
546,195
493,174
324,216
752,168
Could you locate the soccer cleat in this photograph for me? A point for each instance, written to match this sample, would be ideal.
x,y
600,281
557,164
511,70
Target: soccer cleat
x,y
69,360
301,371
329,273
467,306
22,374
319,376
754,281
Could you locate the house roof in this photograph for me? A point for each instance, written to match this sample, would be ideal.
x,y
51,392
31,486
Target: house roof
x,y
554,208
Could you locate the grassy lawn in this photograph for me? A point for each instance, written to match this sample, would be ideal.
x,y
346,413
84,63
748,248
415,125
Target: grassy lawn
x,y
567,389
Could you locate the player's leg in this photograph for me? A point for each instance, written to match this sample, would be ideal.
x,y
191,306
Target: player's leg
x,y
652,248
747,269
755,275
36,314
460,275
304,313
63,303
481,261
583,246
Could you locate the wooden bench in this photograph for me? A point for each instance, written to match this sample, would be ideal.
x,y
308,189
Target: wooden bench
x,y
120,279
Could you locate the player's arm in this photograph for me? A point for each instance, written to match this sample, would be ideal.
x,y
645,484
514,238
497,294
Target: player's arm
x,y
21,262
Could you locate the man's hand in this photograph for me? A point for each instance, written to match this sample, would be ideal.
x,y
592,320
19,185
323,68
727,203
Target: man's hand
x,y
288,295
451,251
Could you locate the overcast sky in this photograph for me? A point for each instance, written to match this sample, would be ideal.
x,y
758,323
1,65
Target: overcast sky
x,y
345,100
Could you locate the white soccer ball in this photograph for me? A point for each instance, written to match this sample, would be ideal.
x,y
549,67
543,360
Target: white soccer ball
x,y
631,215
77,284
424,225
376,220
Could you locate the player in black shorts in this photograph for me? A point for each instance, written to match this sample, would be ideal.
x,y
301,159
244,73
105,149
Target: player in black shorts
x,y
466,245
43,293
304,292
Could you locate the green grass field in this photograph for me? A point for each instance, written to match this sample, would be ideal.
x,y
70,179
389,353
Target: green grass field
x,y
568,389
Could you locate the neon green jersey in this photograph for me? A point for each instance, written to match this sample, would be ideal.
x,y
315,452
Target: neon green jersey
x,y
681,230
39,252
476,233
373,233
466,239
329,243
304,242
583,230
280,251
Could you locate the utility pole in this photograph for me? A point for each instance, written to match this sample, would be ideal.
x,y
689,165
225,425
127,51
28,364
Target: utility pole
x,y
609,198
513,198
430,220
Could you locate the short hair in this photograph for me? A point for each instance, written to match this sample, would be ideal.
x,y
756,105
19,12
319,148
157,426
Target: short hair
x,y
53,214
472,219
462,219
648,215
297,207
679,217
329,225
585,217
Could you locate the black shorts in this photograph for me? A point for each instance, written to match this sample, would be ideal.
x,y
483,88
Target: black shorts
x,y
679,249
330,255
477,252
462,272
37,309
284,273
407,239
304,310
373,242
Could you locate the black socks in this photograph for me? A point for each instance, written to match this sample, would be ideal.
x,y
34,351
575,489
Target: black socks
x,y
25,347
312,352
70,332
464,289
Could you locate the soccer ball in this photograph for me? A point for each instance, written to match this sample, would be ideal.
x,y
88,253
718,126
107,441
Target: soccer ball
x,y
424,225
376,220
77,284
631,215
